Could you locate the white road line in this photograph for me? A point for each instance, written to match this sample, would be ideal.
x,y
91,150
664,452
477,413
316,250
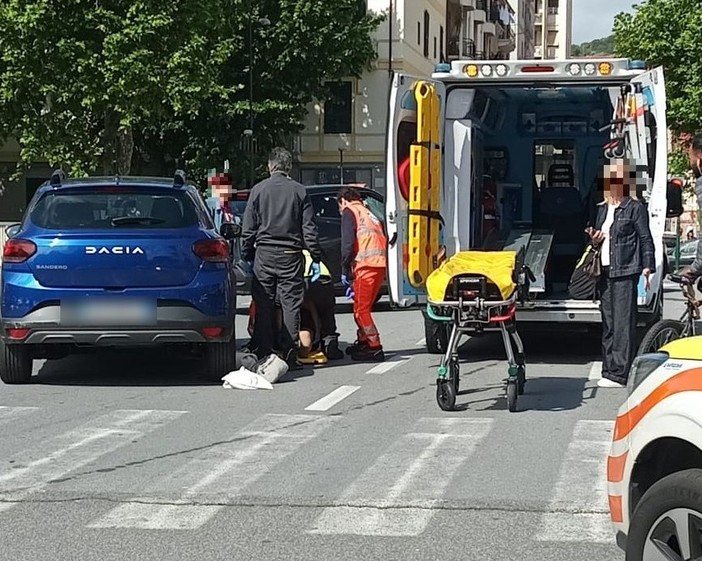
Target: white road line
x,y
421,342
8,414
579,508
330,400
388,365
595,370
35,468
394,497
220,473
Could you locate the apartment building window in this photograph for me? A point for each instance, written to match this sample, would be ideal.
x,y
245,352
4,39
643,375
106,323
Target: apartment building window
x,y
338,109
426,33
552,6
435,46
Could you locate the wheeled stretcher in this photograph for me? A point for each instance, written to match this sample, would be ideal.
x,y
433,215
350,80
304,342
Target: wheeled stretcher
x,y
473,292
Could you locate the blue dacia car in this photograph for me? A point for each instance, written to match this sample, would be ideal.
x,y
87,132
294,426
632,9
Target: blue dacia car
x,y
126,261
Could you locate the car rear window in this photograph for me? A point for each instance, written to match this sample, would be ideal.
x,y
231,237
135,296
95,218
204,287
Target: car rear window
x,y
118,209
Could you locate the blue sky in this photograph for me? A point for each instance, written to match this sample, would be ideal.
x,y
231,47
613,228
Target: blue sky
x,y
593,19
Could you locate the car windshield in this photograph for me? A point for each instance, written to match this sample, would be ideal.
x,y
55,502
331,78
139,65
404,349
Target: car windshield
x,y
114,209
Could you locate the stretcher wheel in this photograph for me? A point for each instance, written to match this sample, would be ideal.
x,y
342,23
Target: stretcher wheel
x,y
521,379
454,374
446,395
512,396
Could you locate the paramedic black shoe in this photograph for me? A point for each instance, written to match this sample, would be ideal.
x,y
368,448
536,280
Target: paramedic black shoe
x,y
355,347
293,363
367,354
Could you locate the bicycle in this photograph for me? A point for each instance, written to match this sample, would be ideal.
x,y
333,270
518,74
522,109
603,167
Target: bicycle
x,y
666,330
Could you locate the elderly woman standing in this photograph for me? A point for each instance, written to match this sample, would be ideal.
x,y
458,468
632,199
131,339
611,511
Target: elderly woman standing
x,y
626,250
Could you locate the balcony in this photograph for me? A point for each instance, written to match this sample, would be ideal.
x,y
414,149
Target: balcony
x,y
506,40
480,13
468,4
489,28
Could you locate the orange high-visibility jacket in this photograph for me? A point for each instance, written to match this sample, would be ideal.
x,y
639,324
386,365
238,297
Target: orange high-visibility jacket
x,y
371,241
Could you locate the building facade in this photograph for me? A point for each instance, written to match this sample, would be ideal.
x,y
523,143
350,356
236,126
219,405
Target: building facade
x,y
553,28
344,138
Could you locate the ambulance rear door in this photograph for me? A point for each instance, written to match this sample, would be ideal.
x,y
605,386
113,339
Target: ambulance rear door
x,y
403,182
651,130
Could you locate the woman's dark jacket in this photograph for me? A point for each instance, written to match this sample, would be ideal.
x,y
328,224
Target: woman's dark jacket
x,y
630,241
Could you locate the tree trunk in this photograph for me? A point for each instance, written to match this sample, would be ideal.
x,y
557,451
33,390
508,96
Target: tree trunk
x,y
125,150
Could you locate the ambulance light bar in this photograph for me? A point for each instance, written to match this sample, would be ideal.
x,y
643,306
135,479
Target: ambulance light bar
x,y
567,69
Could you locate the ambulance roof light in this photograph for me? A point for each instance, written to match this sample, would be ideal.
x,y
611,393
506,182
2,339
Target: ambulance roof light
x,y
637,65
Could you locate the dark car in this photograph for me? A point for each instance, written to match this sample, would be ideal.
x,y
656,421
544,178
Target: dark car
x,y
328,219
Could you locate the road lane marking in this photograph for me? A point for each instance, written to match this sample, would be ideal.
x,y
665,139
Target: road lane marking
x,y
421,342
330,400
36,468
221,473
579,508
595,370
388,365
395,496
9,414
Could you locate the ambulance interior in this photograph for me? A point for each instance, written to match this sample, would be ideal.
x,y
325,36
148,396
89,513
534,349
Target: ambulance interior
x,y
535,156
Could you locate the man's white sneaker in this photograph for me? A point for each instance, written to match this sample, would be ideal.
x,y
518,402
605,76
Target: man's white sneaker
x,y
607,383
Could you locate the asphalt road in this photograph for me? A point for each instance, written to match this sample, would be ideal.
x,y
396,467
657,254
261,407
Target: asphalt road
x,y
133,456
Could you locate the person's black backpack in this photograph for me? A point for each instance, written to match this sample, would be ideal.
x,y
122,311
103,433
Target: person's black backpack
x,y
583,282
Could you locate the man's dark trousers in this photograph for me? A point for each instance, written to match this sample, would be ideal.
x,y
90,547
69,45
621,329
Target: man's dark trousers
x,y
322,294
618,303
278,275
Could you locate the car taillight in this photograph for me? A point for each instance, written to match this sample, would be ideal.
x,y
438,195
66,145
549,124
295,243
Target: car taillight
x,y
17,333
214,251
18,251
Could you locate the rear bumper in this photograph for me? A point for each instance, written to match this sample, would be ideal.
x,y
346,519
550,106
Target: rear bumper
x,y
174,324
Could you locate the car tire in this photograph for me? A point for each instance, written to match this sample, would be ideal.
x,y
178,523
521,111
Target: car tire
x,y
220,359
661,508
15,364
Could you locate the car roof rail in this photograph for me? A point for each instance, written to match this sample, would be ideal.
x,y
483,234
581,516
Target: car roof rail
x,y
58,177
179,178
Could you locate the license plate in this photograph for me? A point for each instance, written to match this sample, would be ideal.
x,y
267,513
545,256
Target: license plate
x,y
96,311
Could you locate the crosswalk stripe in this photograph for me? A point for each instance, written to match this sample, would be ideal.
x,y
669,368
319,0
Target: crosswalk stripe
x,y
223,472
406,481
330,400
579,509
35,468
595,371
9,414
388,365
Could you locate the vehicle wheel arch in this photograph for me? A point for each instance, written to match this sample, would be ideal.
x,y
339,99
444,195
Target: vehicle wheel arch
x,y
658,459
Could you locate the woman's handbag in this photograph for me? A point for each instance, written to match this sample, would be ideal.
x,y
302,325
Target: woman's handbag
x,y
583,282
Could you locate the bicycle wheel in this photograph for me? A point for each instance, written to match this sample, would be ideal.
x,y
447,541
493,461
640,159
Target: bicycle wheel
x,y
660,334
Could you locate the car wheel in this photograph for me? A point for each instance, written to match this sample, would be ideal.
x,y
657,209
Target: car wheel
x,y
220,359
15,364
667,523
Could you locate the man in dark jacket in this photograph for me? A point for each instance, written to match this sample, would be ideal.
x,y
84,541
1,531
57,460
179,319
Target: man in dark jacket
x,y
278,225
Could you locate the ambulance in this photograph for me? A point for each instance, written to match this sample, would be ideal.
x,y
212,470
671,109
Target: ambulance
x,y
507,155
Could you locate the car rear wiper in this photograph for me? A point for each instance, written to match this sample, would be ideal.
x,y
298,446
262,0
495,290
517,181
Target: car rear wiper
x,y
126,220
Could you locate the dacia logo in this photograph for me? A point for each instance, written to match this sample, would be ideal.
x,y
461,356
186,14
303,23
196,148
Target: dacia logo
x,y
115,250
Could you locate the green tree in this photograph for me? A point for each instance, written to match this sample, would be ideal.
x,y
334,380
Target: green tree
x,y
667,33
601,47
88,84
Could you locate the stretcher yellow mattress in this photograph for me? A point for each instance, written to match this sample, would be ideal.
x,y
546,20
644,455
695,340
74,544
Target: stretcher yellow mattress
x,y
498,266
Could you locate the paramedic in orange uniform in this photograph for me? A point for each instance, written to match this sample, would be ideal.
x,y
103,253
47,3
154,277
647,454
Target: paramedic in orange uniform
x,y
363,266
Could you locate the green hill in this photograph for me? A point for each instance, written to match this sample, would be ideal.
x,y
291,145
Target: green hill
x,y
601,47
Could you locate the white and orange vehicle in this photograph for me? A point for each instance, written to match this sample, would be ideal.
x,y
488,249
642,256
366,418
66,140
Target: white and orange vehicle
x,y
506,155
654,469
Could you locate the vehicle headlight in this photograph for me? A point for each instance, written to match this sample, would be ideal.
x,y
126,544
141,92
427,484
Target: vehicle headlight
x,y
642,367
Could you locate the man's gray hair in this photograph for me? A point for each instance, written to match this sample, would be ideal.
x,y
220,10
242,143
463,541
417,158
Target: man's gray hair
x,y
280,160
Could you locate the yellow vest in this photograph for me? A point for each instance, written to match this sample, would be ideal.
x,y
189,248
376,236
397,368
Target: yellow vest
x,y
325,274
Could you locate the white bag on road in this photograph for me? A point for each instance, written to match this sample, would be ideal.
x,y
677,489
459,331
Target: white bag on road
x,y
244,379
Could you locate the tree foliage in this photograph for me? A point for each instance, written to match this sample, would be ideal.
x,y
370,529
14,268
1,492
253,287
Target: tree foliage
x,y
667,33
97,85
602,47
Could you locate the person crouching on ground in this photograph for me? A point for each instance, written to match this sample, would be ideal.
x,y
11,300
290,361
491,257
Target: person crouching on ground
x,y
363,263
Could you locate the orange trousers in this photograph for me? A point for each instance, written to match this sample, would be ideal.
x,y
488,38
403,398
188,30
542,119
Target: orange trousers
x,y
366,286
